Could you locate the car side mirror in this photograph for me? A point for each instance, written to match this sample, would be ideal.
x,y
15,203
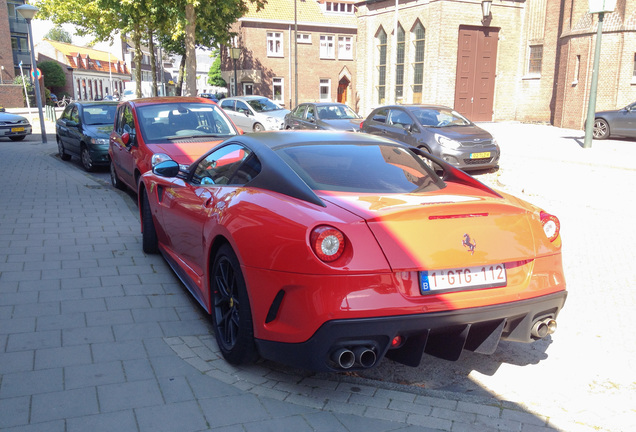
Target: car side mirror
x,y
168,168
128,139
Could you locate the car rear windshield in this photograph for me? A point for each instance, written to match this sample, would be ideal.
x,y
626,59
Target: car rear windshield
x,y
166,122
361,168
440,117
263,105
99,114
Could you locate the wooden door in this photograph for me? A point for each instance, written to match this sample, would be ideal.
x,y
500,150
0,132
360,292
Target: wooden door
x,y
476,68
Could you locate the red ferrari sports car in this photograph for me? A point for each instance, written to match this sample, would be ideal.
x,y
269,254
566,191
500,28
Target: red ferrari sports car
x,y
331,250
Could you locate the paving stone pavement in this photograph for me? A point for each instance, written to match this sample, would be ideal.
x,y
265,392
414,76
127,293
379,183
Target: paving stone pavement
x,y
95,335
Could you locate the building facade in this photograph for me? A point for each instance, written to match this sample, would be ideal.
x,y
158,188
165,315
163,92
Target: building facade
x,y
285,54
575,57
90,74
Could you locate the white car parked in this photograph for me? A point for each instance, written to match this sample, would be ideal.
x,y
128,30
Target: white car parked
x,y
254,113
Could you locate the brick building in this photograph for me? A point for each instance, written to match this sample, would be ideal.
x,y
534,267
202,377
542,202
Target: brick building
x,y
326,56
13,49
575,56
447,52
527,61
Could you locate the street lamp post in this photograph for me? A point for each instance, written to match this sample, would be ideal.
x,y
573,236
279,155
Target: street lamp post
x,y
28,12
599,7
235,53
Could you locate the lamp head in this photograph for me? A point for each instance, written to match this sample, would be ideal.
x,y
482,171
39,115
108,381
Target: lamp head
x,y
27,11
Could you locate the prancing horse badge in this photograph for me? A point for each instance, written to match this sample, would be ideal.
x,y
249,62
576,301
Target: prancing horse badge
x,y
467,243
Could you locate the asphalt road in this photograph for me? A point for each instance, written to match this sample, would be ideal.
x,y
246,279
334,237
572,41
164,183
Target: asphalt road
x,y
585,370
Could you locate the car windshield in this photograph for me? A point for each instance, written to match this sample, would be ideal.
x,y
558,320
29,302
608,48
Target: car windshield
x,y
99,114
361,168
169,121
334,112
439,117
263,105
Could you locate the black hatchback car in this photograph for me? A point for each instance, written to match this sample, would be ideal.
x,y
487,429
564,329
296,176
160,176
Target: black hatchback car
x,y
83,130
439,130
323,116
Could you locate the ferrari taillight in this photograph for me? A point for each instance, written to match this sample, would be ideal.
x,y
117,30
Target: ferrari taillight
x,y
551,225
327,242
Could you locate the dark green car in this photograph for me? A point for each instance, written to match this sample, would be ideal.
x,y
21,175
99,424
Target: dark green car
x,y
83,130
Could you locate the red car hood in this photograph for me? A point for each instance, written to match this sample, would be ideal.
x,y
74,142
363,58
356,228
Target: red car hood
x,y
436,230
183,153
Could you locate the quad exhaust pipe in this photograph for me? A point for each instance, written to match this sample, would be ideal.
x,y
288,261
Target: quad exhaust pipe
x,y
362,356
542,328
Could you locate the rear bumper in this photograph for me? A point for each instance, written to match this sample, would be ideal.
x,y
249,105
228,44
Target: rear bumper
x,y
441,334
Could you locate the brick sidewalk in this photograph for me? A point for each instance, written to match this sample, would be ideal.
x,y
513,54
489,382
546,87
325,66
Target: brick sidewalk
x,y
95,335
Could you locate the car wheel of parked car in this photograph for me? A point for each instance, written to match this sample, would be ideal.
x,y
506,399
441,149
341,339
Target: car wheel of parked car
x,y
87,162
114,179
150,243
601,129
60,150
231,312
258,127
17,138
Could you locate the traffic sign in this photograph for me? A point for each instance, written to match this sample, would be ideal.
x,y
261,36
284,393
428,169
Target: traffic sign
x,y
38,72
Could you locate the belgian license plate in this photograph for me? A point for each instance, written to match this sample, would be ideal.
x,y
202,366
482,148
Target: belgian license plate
x,y
481,155
488,276
17,129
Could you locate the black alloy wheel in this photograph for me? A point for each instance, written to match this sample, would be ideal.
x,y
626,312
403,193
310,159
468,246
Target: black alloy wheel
x,y
87,161
60,150
150,243
114,179
231,312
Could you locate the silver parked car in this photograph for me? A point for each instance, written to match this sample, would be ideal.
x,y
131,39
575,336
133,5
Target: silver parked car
x,y
13,126
254,113
439,130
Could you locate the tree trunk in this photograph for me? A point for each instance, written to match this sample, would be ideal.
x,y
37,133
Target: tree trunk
x,y
191,58
138,56
179,87
153,61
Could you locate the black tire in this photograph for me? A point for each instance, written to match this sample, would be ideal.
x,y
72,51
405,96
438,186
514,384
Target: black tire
x,y
87,161
149,233
114,179
601,129
258,127
231,312
17,138
60,150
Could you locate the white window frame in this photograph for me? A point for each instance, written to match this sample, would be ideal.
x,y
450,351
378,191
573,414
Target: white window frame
x,y
345,53
278,81
325,83
327,47
303,38
274,44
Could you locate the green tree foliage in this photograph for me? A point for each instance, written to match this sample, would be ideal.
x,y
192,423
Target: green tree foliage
x,y
53,74
214,75
208,23
57,33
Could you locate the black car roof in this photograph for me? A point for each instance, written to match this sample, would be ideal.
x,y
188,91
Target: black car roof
x,y
276,175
